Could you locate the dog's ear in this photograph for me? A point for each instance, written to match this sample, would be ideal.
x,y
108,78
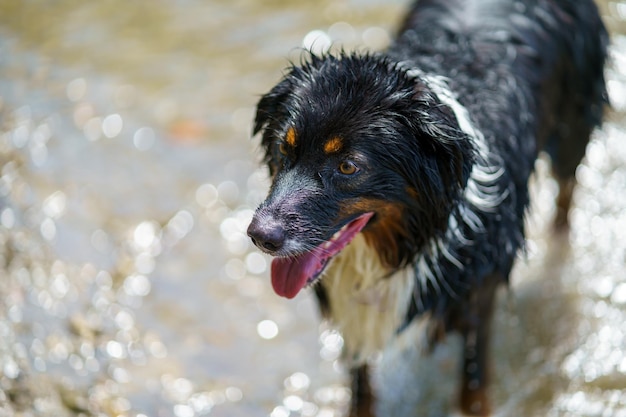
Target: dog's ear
x,y
445,151
270,109
271,112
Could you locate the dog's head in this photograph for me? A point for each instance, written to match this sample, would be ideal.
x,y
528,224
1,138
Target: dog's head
x,y
354,144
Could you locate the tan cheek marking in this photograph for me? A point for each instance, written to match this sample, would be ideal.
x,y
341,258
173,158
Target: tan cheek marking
x,y
333,145
290,137
388,229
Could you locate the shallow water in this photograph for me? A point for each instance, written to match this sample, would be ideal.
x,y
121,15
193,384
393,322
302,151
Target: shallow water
x,y
128,286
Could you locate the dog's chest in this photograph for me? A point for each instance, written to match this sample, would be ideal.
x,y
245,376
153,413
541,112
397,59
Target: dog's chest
x,y
367,305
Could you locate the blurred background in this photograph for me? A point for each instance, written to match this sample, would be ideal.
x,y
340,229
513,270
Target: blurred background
x,y
128,177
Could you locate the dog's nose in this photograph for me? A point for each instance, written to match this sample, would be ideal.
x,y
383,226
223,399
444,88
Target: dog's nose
x,y
269,237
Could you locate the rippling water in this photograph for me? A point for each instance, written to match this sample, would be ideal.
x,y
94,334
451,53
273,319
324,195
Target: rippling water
x,y
127,178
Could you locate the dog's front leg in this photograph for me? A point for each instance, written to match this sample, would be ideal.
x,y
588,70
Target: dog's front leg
x,y
474,322
362,404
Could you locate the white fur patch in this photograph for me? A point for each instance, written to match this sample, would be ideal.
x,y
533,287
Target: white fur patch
x,y
367,305
482,190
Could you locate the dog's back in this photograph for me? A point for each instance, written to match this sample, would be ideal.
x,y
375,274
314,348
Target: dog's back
x,y
530,75
510,60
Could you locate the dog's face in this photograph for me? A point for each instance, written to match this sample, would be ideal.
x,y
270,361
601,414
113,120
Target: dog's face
x,y
354,145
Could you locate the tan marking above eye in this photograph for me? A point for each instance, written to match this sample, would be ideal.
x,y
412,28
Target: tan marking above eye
x,y
333,145
290,137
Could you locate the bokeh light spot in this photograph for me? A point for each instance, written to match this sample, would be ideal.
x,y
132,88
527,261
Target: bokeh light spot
x,y
267,329
112,125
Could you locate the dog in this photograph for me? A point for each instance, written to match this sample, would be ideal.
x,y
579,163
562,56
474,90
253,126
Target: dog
x,y
400,178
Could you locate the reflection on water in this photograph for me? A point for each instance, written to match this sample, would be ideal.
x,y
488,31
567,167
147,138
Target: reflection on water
x,y
127,179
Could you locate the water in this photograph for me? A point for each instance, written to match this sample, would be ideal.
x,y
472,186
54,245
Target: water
x,y
127,178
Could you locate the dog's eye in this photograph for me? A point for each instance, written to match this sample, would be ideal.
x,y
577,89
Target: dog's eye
x,y
348,168
282,148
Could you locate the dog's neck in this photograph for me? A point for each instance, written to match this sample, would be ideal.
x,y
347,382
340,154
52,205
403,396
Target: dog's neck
x,y
368,302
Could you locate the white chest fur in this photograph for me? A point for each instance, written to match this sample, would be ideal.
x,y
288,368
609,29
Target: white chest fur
x,y
367,305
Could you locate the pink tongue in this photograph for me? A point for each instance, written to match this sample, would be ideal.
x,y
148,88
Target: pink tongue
x,y
290,275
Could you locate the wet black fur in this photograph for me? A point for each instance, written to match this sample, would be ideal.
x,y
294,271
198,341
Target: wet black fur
x,y
530,74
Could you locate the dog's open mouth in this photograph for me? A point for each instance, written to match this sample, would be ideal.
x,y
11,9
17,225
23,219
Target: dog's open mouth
x,y
291,274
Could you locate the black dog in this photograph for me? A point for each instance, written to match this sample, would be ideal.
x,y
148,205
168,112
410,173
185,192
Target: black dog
x,y
402,178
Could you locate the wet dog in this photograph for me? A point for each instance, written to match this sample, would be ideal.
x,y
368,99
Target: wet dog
x,y
400,179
